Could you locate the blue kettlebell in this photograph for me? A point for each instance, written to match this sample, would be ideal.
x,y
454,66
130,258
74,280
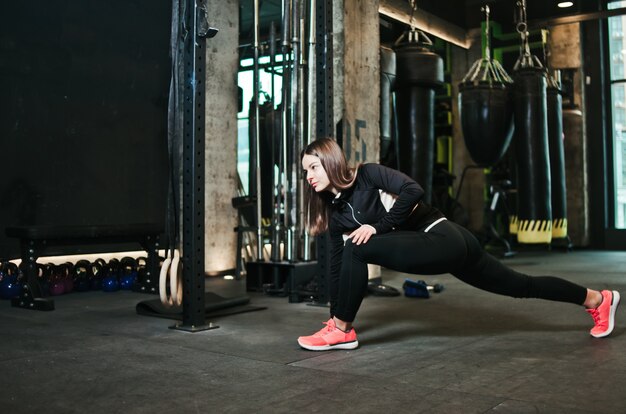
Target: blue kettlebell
x,y
10,285
110,282
128,273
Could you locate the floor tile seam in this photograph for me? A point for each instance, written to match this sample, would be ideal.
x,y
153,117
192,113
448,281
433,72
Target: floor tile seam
x,y
160,341
368,377
240,357
320,355
559,269
395,378
535,403
52,353
497,394
566,271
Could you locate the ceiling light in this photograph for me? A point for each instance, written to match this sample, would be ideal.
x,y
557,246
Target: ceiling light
x,y
565,4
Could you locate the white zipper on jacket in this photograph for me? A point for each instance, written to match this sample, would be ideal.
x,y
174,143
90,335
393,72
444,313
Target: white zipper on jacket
x,y
352,210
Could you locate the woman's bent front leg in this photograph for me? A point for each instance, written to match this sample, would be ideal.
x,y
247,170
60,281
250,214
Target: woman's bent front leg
x,y
404,251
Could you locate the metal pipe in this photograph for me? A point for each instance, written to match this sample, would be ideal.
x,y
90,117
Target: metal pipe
x,y
311,62
272,50
294,131
286,13
302,123
255,98
275,225
310,130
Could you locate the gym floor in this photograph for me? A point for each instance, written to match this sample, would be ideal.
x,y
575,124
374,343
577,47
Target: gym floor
x,y
461,351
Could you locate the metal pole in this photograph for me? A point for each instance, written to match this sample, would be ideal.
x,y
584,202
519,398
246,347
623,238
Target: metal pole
x,y
302,101
276,230
311,73
272,50
255,100
292,230
308,115
193,172
285,118
324,122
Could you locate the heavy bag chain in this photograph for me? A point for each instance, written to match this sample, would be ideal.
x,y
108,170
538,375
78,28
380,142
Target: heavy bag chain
x,y
414,35
526,59
486,70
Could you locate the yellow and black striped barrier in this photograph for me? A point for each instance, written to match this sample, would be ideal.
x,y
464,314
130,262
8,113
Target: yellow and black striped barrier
x,y
534,231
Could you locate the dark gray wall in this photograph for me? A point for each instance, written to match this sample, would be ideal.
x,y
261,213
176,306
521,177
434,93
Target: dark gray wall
x,y
83,112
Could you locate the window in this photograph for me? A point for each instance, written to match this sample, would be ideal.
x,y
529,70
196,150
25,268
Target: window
x,y
617,50
245,81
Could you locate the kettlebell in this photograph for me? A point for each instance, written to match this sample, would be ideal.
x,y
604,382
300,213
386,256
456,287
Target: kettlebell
x,y
142,263
98,270
128,273
110,282
10,285
66,270
82,275
42,278
57,282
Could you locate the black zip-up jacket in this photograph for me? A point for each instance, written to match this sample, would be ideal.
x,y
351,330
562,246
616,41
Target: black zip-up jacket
x,y
361,204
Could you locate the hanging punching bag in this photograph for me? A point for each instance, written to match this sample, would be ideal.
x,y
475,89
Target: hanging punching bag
x,y
557,160
387,79
267,116
486,114
534,213
418,72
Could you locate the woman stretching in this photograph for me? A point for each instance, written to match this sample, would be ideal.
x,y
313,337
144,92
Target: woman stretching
x,y
408,236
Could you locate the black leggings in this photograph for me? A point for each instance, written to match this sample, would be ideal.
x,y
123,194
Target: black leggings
x,y
445,248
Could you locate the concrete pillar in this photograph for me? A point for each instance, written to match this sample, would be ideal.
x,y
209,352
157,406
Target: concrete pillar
x,y
566,55
338,60
222,62
357,83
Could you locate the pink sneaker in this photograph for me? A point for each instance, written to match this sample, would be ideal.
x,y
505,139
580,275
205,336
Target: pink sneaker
x,y
325,329
329,337
604,315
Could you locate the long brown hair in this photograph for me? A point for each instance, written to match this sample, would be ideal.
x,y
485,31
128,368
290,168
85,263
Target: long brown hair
x,y
340,175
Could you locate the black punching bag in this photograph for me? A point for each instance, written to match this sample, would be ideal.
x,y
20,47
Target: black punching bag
x,y
418,72
387,80
486,114
534,213
557,160
267,120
